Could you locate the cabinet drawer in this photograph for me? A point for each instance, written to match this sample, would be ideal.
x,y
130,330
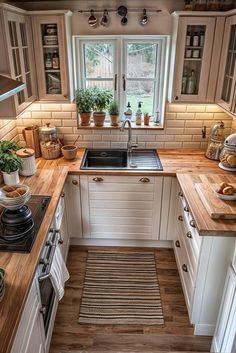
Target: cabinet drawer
x,y
121,179
184,270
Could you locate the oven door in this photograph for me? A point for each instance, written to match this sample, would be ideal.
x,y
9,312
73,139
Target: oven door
x,y
48,297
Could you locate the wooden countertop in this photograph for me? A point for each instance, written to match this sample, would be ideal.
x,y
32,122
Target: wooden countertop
x,y
205,224
49,180
20,268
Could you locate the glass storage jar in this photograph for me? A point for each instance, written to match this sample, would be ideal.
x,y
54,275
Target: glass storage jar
x,y
215,142
228,154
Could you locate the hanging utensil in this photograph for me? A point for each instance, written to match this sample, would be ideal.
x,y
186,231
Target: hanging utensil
x,y
144,18
105,19
122,11
92,20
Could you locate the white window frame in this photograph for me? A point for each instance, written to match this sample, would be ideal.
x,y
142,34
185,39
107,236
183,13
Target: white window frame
x,y
162,62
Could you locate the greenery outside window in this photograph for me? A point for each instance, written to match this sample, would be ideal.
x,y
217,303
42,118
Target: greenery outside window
x,y
134,68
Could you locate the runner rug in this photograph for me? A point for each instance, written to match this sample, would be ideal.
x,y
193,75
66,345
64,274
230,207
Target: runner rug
x,y
121,288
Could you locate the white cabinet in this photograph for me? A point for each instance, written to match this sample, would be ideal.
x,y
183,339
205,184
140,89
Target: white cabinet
x,y
226,89
30,337
121,207
16,60
73,206
53,53
196,46
60,224
224,340
202,264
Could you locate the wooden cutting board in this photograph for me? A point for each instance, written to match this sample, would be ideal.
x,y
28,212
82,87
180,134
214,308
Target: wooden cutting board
x,y
216,207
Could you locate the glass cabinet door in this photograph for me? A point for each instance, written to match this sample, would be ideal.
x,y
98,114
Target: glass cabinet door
x,y
50,57
20,53
227,76
193,58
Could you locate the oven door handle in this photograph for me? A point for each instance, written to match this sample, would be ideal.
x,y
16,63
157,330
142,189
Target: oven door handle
x,y
50,259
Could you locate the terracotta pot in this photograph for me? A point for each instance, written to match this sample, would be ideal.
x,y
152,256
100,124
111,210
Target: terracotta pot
x,y
69,151
85,119
114,120
99,118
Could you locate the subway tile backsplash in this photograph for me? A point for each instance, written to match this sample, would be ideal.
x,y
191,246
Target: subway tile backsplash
x,y
182,128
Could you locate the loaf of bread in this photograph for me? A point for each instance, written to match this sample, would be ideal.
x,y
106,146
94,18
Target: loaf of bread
x,y
228,190
8,188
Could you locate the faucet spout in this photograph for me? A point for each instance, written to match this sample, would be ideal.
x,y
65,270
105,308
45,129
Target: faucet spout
x,y
130,145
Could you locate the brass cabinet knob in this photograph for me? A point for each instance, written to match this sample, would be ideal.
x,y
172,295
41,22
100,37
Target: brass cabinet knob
x,y
180,218
62,195
186,209
75,182
192,223
180,194
144,180
185,268
177,244
189,235
98,179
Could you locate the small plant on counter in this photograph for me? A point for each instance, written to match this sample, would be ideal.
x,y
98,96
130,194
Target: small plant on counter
x,y
85,104
9,162
102,99
114,113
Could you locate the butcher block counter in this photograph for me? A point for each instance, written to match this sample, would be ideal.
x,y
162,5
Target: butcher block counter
x,y
49,180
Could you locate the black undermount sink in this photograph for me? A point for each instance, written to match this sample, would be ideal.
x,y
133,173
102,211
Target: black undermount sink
x,y
121,160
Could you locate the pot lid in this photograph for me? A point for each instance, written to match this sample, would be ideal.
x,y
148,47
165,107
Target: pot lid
x,y
25,152
48,130
230,141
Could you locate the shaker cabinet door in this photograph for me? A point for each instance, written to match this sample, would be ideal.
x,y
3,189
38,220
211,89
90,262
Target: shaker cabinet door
x,y
226,90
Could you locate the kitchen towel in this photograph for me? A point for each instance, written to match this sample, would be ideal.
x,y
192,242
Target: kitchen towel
x,y
58,273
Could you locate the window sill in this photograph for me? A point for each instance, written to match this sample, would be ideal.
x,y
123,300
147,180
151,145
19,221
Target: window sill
x,y
133,125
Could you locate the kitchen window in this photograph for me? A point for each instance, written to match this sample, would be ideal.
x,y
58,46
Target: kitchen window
x,y
133,67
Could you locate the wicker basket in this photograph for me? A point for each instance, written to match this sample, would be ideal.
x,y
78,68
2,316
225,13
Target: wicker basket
x,y
51,151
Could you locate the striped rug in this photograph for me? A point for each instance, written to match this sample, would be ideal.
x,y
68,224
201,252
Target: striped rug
x,y
121,288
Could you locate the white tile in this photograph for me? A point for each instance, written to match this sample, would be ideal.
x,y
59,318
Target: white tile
x,y
69,122
212,108
50,107
61,115
118,145
173,144
34,107
101,144
170,116
177,108
204,116
92,138
222,116
182,138
191,145
41,115
194,123
175,123
193,131
166,137
68,107
65,130
196,108
174,131
185,116
114,138
146,138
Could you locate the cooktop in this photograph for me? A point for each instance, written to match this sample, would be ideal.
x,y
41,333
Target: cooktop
x,y
19,228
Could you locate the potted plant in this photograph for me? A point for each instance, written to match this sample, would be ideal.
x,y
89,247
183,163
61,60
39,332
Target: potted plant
x,y
85,104
9,162
114,113
102,98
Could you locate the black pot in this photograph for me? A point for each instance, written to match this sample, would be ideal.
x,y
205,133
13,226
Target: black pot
x,y
14,218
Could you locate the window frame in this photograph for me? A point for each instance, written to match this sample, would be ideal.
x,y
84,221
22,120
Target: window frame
x,y
162,62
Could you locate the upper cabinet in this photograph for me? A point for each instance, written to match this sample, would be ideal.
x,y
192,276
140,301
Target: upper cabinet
x,y
196,45
52,44
16,60
226,90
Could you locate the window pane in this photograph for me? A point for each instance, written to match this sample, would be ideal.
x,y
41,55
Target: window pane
x,y
98,60
100,84
140,92
141,60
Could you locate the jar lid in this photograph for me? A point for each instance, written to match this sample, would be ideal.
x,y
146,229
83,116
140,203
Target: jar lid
x,y
230,141
25,153
48,130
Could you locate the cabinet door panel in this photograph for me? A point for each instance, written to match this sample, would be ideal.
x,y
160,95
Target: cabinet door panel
x,y
73,207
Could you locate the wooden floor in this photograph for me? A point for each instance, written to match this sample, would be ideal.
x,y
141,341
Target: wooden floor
x,y
175,336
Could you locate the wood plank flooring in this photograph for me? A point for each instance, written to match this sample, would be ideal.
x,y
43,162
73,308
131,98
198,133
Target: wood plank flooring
x,y
175,336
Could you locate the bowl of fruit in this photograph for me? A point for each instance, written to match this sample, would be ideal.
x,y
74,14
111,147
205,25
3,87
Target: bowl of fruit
x,y
226,192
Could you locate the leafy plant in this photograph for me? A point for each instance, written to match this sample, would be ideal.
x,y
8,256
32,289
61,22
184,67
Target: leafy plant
x,y
9,162
113,108
85,100
102,98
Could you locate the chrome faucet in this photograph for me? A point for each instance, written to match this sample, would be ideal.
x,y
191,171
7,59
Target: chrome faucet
x,y
130,144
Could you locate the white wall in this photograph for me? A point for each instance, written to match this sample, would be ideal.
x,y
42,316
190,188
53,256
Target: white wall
x,y
158,23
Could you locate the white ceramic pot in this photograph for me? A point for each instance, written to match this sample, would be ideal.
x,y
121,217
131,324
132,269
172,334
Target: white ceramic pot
x,y
12,178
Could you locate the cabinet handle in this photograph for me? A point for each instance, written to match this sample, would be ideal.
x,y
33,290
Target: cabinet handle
x,y
192,223
115,84
98,179
124,83
189,235
177,244
186,209
43,310
74,182
145,180
62,195
184,268
180,218
176,98
180,194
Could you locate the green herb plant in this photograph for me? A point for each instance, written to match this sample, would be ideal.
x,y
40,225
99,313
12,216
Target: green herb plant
x,y
113,108
9,162
102,98
85,100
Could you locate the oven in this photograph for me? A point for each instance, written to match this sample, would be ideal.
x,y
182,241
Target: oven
x,y
48,297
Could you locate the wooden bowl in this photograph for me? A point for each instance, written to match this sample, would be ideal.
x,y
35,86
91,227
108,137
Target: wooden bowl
x,y
69,151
